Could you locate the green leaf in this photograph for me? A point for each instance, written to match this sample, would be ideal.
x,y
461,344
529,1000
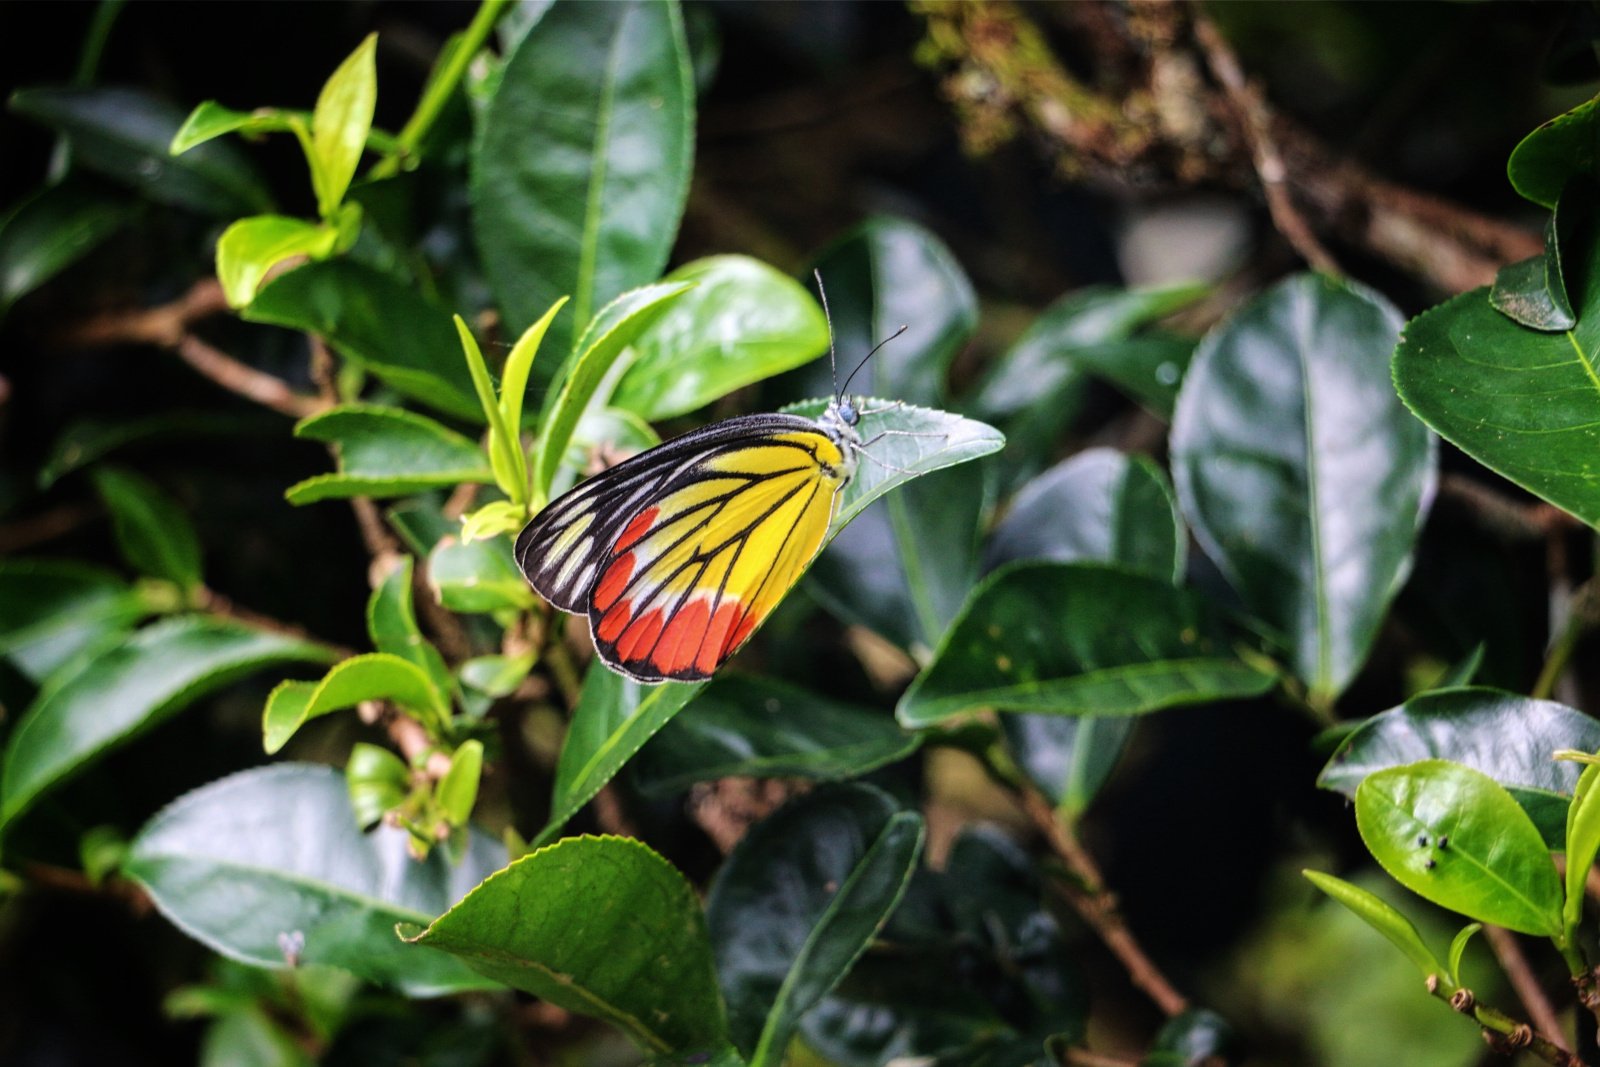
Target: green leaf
x,y
124,134
492,520
1077,639
49,232
379,324
1300,472
581,167
1096,505
495,676
614,718
458,789
373,676
1533,293
798,901
616,327
743,321
764,728
1583,841
210,120
248,1037
1454,836
477,576
1544,160
1378,914
1510,738
514,389
52,610
392,625
1195,1038
340,122
251,247
376,780
505,441
601,926
1525,404
1070,758
1458,948
888,273
153,532
127,689
86,440
387,451
275,851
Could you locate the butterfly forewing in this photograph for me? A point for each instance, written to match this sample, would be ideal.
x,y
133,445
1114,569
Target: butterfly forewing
x,y
678,554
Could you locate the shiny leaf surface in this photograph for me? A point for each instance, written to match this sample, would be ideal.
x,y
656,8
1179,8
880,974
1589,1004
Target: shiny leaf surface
x,y
386,451
51,610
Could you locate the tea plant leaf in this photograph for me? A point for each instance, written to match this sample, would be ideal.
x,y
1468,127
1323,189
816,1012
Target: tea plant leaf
x,y
385,451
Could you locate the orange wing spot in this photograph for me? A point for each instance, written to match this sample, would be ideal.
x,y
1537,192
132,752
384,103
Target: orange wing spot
x,y
741,633
637,528
614,581
614,621
716,642
640,635
681,642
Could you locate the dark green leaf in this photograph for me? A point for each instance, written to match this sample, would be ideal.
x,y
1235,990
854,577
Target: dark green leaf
x,y
373,676
387,452
1384,918
798,901
272,852
1195,1038
124,134
885,274
1300,472
1510,738
581,166
743,321
1533,292
340,122
1454,836
378,323
1069,757
129,688
601,926
1077,639
763,728
1544,160
153,531
86,440
613,719
51,610
251,247
479,576
1524,404
49,232
392,625
421,523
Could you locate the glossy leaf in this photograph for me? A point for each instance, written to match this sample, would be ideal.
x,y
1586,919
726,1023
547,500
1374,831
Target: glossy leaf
x,y
52,610
1510,738
798,901
763,728
1533,293
47,233
386,451
477,576
601,926
518,367
251,247
373,676
376,780
1525,404
1544,160
276,851
1382,917
1301,474
885,274
392,625
1069,757
743,321
1454,836
378,323
124,134
127,689
340,122
617,325
581,166
153,531
1583,841
614,718
1077,639
1096,505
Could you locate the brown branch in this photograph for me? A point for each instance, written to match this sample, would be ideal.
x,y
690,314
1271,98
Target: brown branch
x,y
67,880
1097,906
1515,965
45,526
1081,1057
1255,124
1501,514
236,377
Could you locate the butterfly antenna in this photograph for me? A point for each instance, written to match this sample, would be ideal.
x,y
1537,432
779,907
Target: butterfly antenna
x,y
869,355
833,363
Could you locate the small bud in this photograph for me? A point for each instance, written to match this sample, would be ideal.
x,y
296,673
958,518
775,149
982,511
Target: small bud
x,y
1463,1000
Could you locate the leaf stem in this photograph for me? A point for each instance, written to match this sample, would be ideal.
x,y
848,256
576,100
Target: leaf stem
x,y
1581,616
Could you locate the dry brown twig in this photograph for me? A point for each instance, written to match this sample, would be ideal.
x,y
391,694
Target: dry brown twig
x,y
1515,965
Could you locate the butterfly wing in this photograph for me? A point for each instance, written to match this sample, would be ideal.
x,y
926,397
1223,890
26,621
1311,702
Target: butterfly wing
x,y
679,553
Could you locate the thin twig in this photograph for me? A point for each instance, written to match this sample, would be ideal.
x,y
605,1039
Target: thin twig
x,y
1515,965
1255,123
45,526
236,377
1094,902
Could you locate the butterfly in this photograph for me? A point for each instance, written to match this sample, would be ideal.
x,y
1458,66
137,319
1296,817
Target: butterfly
x,y
677,554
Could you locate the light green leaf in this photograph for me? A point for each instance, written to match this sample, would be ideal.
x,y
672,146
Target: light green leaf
x,y
1583,841
386,451
1458,948
392,625
251,247
492,520
373,676
505,444
340,122
1378,914
477,576
495,676
376,780
458,789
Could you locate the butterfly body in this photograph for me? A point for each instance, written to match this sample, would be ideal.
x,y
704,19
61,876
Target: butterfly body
x,y
677,554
